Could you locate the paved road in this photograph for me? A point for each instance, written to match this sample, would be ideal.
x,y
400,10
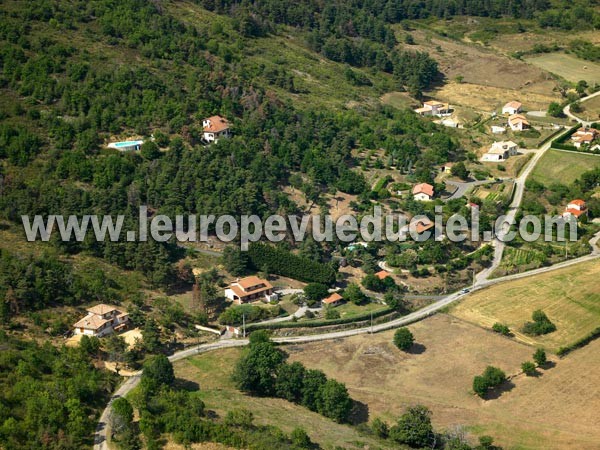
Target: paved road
x,y
568,113
519,189
463,186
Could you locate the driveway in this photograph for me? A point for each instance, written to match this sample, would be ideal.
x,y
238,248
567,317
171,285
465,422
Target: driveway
x,y
462,187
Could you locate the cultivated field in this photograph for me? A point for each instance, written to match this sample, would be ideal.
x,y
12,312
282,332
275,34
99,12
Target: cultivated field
x,y
212,373
562,167
567,66
570,297
527,415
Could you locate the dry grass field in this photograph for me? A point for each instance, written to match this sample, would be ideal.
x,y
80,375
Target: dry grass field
x,y
555,410
212,373
563,167
570,297
567,66
591,109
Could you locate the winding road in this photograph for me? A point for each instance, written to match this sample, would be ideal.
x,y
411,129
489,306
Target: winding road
x,y
482,281
567,110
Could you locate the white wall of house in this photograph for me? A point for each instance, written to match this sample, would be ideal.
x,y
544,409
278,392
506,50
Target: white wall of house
x,y
421,197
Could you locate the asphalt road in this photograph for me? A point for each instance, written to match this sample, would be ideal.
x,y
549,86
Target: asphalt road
x,y
568,113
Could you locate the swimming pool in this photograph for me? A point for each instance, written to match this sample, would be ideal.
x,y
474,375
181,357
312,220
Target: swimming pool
x,y
126,145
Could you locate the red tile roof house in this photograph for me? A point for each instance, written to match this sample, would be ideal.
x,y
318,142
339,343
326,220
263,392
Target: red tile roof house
x,y
334,299
575,208
423,192
518,122
513,107
102,320
215,128
382,274
584,136
249,289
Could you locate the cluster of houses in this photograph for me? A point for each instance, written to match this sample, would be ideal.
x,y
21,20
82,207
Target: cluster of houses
x,y
585,136
501,151
516,120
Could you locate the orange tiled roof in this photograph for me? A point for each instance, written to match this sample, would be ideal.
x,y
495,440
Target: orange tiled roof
x,y
424,188
91,322
102,309
575,212
216,124
333,298
514,104
382,274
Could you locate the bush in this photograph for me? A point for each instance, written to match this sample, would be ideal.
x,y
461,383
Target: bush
x,y
501,328
380,428
540,357
528,368
403,339
491,377
414,428
540,325
315,291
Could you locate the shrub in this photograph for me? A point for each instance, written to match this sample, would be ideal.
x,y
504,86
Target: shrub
x,y
528,368
501,328
315,291
540,357
403,339
414,428
540,325
491,377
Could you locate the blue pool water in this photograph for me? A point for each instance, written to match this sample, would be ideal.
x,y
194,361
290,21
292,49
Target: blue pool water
x,y
127,143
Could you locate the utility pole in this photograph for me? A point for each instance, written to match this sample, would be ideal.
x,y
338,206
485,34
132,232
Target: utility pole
x,y
244,325
371,322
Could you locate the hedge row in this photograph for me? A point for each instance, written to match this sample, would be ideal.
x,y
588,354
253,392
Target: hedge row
x,y
318,323
286,264
580,343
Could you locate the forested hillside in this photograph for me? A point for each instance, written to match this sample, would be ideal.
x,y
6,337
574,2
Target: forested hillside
x,y
76,74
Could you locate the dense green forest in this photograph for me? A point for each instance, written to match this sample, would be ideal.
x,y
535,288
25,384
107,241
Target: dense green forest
x,y
49,397
65,98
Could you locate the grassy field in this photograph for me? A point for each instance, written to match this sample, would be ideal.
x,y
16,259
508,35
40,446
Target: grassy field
x,y
567,66
570,297
562,167
591,109
439,373
212,372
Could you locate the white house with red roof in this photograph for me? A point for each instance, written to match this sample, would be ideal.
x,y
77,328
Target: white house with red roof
x,y
249,289
584,136
102,320
334,299
423,192
215,128
576,208
513,107
518,122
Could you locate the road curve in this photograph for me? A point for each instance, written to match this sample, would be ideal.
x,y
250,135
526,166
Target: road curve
x,y
567,110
